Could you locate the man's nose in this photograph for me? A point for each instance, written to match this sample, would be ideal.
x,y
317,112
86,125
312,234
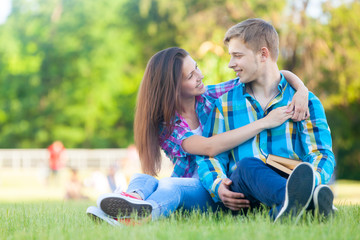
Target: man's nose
x,y
231,63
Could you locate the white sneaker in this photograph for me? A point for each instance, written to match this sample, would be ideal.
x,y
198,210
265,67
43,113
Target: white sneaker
x,y
98,215
123,205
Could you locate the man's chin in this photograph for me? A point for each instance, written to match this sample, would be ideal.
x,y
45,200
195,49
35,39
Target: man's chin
x,y
244,80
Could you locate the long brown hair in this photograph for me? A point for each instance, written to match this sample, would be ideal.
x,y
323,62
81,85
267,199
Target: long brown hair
x,y
157,101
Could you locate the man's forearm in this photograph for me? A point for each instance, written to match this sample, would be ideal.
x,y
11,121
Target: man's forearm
x,y
210,173
324,164
317,143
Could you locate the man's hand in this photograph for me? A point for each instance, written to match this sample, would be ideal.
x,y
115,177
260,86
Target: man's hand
x,y
232,200
299,105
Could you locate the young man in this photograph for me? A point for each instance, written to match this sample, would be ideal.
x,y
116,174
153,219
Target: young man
x,y
253,47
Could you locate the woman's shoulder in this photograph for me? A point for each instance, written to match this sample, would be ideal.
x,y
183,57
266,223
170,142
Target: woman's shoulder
x,y
217,90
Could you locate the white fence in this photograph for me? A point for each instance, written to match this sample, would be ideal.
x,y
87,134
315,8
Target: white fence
x,y
78,158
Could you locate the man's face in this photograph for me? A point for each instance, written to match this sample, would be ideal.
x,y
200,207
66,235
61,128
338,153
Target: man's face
x,y
243,61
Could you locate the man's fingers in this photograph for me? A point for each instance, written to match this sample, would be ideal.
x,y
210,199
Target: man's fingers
x,y
236,201
234,195
295,116
232,200
227,181
289,115
236,207
290,107
303,116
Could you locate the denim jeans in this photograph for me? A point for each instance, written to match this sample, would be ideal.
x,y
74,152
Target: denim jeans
x,y
169,194
259,183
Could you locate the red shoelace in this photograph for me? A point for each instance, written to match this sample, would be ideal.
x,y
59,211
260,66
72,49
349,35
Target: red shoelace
x,y
128,195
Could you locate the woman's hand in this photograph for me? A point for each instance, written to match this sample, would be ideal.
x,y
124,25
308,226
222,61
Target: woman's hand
x,y
299,105
277,117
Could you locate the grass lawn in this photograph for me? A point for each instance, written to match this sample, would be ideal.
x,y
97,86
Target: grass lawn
x,y
28,210
67,220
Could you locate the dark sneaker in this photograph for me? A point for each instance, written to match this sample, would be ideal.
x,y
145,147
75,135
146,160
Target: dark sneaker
x,y
299,190
99,216
323,200
123,205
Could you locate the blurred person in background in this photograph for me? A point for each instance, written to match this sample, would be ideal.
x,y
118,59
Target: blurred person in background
x,y
74,187
57,160
116,178
130,163
173,105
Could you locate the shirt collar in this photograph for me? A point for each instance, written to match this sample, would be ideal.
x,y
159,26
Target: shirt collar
x,y
179,120
282,85
200,99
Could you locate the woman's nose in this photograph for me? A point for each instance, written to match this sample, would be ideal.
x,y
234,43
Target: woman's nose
x,y
199,74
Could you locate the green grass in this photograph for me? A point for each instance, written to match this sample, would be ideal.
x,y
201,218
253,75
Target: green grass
x,y
67,220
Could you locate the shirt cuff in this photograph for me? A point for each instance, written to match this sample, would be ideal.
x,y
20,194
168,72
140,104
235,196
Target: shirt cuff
x,y
215,189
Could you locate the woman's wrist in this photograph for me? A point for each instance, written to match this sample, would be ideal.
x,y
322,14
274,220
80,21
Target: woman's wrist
x,y
263,123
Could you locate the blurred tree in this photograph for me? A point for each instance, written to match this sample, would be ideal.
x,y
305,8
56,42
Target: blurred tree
x,y
70,69
202,25
324,52
340,84
65,73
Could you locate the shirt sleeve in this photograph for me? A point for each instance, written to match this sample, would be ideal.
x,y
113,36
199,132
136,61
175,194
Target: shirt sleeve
x,y
212,170
217,90
172,144
316,141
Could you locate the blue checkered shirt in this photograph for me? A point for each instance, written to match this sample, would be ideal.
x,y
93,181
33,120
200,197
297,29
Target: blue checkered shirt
x,y
308,140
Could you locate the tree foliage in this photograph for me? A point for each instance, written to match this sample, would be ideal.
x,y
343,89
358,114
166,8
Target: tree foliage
x,y
325,54
70,69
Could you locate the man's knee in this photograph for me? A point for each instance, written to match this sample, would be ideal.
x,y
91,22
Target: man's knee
x,y
244,166
246,163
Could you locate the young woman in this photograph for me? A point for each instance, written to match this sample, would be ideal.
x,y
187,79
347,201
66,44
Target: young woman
x,y
172,107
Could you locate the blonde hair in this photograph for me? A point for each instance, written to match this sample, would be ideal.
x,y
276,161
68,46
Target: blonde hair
x,y
255,33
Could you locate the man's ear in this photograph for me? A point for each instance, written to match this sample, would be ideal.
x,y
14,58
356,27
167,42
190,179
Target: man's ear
x,y
264,53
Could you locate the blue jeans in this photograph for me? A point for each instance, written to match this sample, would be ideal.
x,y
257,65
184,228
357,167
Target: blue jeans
x,y
259,183
169,194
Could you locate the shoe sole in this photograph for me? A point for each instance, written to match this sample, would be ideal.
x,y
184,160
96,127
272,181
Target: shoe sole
x,y
299,191
99,216
323,200
117,205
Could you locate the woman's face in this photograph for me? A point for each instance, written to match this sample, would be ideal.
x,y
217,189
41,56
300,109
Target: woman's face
x,y
191,84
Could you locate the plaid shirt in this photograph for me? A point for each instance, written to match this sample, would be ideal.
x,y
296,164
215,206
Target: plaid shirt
x,y
308,140
184,163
